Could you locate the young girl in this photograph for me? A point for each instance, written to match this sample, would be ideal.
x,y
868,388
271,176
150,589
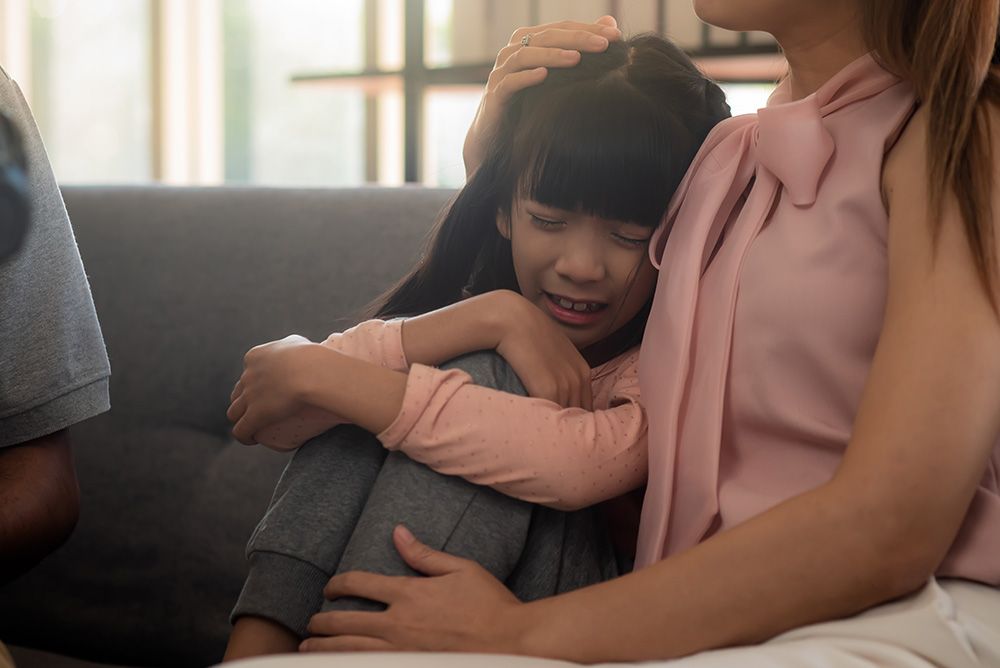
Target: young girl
x,y
821,371
548,243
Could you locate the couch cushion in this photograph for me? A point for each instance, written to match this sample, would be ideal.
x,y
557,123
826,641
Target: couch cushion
x,y
185,281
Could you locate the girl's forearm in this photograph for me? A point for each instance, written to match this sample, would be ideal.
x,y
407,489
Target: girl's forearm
x,y
816,557
365,394
470,325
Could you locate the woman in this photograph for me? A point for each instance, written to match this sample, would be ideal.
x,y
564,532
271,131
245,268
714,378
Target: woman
x,y
836,260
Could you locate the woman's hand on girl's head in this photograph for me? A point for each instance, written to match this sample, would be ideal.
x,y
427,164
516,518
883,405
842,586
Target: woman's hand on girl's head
x,y
519,66
272,387
548,364
459,608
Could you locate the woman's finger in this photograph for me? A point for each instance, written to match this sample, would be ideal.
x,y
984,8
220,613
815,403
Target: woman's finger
x,y
347,623
237,390
574,29
512,83
424,559
346,644
374,587
529,57
576,40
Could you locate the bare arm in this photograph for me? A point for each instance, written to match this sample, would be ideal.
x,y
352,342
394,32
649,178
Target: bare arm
x,y
277,375
469,325
517,67
39,501
542,356
927,424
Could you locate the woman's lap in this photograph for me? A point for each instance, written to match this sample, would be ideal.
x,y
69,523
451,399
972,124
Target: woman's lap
x,y
947,624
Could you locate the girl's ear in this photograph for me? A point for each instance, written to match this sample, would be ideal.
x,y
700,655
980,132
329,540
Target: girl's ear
x,y
503,225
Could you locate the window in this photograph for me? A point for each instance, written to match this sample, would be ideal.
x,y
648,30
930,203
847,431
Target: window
x,y
276,131
298,92
92,104
747,98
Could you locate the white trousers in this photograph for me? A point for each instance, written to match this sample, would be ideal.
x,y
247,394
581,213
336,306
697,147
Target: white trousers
x,y
947,624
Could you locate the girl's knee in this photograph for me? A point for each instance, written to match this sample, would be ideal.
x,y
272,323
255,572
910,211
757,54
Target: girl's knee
x,y
488,369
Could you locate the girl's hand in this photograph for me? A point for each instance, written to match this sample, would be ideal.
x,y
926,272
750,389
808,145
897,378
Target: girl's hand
x,y
517,66
459,608
542,356
272,387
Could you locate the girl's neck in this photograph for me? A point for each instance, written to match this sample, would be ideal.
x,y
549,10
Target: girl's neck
x,y
815,53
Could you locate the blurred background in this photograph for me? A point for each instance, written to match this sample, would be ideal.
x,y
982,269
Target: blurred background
x,y
299,92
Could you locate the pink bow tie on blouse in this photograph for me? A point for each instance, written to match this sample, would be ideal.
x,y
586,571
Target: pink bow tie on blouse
x,y
746,163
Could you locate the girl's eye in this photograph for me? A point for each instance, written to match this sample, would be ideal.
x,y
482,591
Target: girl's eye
x,y
632,242
545,224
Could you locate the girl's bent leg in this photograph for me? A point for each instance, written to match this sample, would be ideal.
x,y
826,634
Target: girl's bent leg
x,y
539,550
256,636
297,544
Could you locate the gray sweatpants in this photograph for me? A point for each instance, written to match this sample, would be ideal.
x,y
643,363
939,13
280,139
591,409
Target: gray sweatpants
x,y
340,496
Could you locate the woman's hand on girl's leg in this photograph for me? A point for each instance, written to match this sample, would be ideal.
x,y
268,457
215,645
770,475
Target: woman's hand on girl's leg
x,y
520,65
460,607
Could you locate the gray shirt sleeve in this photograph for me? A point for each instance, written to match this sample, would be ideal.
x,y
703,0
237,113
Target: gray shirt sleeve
x,y
53,365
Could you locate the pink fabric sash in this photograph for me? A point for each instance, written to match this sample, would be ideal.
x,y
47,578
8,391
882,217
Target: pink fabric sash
x,y
780,152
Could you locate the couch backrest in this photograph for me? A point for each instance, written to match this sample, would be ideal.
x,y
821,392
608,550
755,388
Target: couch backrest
x,y
185,281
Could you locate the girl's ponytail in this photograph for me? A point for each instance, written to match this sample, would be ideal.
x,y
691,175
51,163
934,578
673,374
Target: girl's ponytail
x,y
946,49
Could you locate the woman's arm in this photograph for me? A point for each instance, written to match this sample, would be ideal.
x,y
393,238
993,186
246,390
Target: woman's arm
x,y
518,67
927,424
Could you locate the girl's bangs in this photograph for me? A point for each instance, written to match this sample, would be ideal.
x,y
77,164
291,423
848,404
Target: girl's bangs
x,y
604,153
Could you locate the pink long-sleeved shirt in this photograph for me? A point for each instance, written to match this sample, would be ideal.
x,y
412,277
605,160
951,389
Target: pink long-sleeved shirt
x,y
525,447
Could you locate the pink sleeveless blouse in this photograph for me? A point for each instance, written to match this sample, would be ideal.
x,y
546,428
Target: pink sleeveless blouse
x,y
770,301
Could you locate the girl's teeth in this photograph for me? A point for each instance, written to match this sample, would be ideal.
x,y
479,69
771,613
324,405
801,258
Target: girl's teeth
x,y
575,306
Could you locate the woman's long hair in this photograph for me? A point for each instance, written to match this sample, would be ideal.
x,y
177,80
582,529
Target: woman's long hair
x,y
948,50
611,137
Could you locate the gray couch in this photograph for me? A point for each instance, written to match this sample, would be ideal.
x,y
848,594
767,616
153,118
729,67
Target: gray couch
x,y
185,281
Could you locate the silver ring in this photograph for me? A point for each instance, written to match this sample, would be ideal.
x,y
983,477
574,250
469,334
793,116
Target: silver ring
x,y
526,40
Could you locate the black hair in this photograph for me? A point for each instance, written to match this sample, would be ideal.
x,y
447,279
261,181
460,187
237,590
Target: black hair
x,y
611,137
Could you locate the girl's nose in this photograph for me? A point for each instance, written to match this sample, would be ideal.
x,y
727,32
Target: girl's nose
x,y
581,263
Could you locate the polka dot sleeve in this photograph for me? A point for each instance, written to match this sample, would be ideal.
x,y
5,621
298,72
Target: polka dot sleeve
x,y
375,341
526,447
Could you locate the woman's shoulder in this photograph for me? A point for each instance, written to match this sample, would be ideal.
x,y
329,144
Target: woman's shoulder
x,y
906,165
906,162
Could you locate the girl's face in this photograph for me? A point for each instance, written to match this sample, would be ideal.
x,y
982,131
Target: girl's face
x,y
590,275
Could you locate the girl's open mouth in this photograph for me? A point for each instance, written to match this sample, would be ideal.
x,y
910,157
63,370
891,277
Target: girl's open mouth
x,y
570,312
